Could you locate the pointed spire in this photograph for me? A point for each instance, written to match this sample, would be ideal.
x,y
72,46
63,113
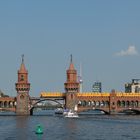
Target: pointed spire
x,y
71,58
80,69
22,58
71,63
22,67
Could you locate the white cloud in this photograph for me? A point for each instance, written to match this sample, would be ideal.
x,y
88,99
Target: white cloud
x,y
130,51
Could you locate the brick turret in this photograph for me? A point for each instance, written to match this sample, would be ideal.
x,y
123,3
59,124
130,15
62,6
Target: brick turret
x,y
22,88
71,87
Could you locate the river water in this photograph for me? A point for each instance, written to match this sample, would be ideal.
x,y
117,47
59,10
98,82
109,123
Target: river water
x,y
56,127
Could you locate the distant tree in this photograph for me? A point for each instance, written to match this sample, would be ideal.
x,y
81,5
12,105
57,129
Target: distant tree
x,y
2,94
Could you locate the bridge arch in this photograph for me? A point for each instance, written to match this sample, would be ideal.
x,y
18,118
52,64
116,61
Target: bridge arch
x,y
129,111
89,103
95,109
1,104
93,103
127,103
102,103
7,104
136,103
97,103
33,106
106,103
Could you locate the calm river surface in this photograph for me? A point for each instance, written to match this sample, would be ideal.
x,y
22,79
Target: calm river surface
x,y
87,127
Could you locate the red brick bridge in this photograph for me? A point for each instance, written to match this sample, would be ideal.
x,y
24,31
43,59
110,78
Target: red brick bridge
x,y
110,103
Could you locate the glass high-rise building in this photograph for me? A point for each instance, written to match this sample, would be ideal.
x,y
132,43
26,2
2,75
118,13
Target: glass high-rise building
x,y
97,87
133,87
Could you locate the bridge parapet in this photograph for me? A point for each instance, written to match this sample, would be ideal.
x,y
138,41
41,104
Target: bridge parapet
x,y
123,94
87,94
7,99
108,102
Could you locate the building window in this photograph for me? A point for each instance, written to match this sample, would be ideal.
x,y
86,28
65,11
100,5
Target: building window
x,y
22,78
22,97
71,96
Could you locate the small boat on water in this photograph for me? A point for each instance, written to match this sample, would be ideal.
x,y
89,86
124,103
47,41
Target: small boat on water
x,y
71,114
65,111
59,111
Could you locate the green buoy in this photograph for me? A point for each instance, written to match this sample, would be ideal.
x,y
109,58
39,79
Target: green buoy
x,y
39,129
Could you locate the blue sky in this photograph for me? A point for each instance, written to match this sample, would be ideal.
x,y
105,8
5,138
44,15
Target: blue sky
x,y
102,35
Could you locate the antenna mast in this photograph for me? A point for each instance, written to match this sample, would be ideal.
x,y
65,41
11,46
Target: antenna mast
x,y
80,79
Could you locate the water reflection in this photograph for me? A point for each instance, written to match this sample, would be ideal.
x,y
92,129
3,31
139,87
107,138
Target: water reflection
x,y
105,127
71,128
22,126
39,136
43,112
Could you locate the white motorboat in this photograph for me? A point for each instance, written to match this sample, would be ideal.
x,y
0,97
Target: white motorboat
x,y
71,114
65,112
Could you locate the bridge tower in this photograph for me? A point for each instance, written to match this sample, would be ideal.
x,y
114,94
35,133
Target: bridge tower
x,y
22,88
112,102
71,86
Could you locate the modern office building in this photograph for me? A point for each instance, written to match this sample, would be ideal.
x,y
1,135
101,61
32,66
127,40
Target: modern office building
x,y
97,87
133,87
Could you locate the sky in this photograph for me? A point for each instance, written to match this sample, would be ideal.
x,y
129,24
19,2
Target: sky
x,y
101,35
